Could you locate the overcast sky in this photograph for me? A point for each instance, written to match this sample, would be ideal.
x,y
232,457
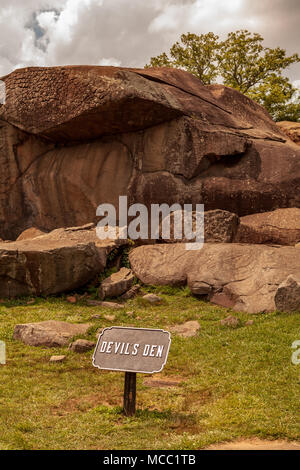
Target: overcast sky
x,y
129,32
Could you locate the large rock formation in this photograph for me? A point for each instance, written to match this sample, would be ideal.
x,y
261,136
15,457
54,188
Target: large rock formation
x,y
72,138
244,277
62,260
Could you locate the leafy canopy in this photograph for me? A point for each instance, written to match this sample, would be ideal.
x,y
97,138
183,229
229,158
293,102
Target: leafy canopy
x,y
241,62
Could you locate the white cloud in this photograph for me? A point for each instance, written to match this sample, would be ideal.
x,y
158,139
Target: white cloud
x,y
129,32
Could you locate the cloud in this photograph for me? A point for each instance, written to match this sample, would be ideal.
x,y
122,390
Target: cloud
x,y
129,32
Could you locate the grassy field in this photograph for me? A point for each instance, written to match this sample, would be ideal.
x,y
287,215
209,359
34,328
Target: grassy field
x,y
235,382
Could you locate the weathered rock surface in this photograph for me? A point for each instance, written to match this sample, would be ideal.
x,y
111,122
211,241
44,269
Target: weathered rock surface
x,y
61,260
281,227
230,321
116,284
287,297
89,134
131,293
49,333
243,277
219,226
291,129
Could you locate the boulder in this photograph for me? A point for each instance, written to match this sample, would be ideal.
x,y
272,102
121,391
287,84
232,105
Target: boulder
x,y
291,129
89,134
51,333
219,226
116,284
280,227
57,358
30,233
287,297
82,345
59,261
243,277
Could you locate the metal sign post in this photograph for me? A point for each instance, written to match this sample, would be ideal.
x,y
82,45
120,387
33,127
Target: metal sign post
x,y
132,350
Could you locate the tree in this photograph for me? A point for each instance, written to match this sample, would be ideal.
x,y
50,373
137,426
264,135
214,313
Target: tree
x,y
196,54
241,62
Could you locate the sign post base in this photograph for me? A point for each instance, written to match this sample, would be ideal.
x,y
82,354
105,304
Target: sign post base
x,y
129,393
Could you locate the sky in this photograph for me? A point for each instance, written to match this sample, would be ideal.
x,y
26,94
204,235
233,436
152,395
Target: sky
x,y
129,32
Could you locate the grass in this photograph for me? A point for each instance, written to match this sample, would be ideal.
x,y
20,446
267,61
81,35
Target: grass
x,y
235,382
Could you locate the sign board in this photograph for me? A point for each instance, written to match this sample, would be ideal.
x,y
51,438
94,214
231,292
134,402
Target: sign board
x,y
127,349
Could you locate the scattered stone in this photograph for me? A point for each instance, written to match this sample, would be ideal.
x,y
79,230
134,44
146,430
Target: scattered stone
x,y
96,316
30,302
109,317
116,284
94,303
187,329
130,314
72,299
279,227
131,293
287,297
249,323
57,358
230,321
81,345
152,299
50,333
112,305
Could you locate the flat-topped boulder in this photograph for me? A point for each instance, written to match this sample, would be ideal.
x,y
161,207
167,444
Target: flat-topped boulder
x,y
51,333
281,227
242,277
59,261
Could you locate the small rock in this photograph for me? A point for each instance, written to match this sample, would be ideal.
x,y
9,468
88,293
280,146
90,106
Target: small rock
x,y
138,318
152,299
249,322
81,345
57,358
94,303
130,314
30,302
109,317
131,293
72,299
230,321
287,297
187,329
162,381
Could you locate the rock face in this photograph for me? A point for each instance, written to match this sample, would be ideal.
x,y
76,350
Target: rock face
x,y
291,129
281,227
219,226
187,329
61,260
90,134
243,277
287,297
50,333
116,284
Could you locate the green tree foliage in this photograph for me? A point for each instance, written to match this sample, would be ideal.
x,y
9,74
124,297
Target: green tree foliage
x,y
196,54
241,62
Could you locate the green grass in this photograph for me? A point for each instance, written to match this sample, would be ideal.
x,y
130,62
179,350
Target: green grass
x,y
235,382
